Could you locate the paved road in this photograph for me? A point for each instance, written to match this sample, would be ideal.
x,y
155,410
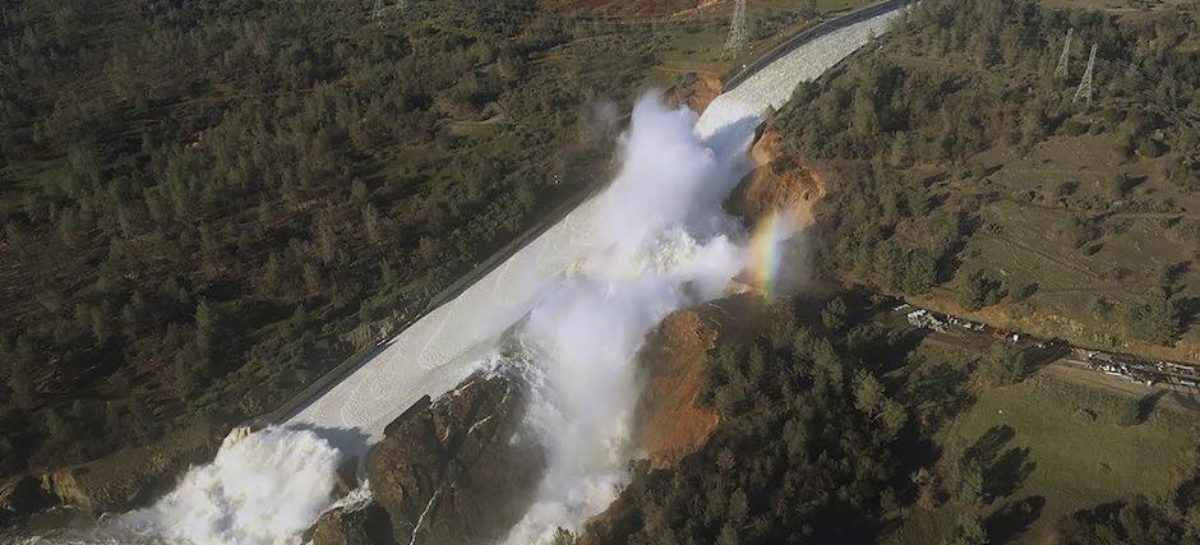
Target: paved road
x,y
1067,367
448,344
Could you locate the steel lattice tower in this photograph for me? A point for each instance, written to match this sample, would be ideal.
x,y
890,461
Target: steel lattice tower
x,y
739,33
1085,85
1061,71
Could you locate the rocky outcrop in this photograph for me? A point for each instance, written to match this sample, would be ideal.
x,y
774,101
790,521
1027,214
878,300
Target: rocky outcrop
x,y
456,470
20,497
696,91
672,422
362,524
133,476
779,182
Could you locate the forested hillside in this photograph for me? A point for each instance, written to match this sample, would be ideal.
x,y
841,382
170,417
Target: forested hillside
x,y
968,174
206,204
838,425
962,172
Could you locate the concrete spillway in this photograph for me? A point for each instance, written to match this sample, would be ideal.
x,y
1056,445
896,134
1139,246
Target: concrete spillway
x,y
447,345
584,294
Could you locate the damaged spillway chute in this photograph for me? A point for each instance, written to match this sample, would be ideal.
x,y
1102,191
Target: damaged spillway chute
x,y
572,308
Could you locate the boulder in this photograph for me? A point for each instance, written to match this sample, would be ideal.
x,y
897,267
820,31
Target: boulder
x,y
696,91
457,470
364,524
20,497
133,476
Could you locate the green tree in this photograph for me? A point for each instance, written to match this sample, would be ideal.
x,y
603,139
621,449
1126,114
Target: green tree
x,y
979,290
1002,365
728,536
868,394
1157,320
971,486
921,273
207,325
833,315
969,531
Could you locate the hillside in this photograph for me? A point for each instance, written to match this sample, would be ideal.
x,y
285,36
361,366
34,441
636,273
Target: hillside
x,y
966,175
206,206
958,174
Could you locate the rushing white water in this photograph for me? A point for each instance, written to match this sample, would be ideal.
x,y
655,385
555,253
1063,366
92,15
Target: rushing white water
x,y
264,489
662,242
590,288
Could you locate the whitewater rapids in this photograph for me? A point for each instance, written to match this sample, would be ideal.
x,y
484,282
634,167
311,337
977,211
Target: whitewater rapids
x,y
585,293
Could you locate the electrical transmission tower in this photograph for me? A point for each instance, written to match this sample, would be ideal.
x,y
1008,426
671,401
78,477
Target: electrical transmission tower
x,y
1061,71
1085,85
377,11
739,33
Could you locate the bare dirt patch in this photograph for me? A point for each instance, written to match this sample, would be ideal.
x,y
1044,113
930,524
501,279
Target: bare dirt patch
x,y
779,182
672,424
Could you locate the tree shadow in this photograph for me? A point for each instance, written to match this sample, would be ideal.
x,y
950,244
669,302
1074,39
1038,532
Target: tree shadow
x,y
1188,494
940,390
1043,355
1145,405
1188,400
1007,473
1013,519
1189,310
985,449
1003,470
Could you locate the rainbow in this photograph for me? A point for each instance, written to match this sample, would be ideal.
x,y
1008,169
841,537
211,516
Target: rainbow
x,y
766,252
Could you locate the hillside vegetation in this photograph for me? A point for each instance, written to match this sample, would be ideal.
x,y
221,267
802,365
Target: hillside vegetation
x,y
962,174
838,425
205,205
966,175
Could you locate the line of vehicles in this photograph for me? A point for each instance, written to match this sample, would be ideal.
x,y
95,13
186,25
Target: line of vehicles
x,y
1137,369
1128,366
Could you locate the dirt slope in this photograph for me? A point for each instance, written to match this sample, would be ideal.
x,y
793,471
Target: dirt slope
x,y
778,182
671,424
696,91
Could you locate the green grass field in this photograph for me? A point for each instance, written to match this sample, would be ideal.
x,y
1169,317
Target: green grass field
x,y
1078,452
1030,236
699,46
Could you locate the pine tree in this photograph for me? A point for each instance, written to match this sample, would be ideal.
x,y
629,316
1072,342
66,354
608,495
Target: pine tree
x,y
970,531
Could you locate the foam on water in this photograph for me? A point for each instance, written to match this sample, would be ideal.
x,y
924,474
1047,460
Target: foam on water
x,y
264,489
589,288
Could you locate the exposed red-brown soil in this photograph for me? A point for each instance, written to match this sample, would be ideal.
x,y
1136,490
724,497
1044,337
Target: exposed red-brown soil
x,y
696,91
779,182
671,423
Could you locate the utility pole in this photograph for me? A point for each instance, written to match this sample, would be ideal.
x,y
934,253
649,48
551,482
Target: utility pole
x,y
1085,85
1061,71
739,34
